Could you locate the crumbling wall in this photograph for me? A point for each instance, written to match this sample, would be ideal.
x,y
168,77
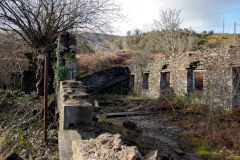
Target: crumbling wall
x,y
75,111
105,146
73,106
216,67
67,50
178,78
114,78
217,78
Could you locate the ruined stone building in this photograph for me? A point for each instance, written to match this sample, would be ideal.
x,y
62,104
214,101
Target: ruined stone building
x,y
212,75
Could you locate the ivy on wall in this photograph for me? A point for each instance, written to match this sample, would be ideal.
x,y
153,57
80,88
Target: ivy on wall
x,y
61,71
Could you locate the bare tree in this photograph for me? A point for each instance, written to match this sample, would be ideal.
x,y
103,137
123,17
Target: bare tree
x,y
137,31
168,23
40,22
128,33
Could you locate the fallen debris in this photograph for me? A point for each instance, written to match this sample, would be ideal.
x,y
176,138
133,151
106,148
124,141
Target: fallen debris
x,y
104,147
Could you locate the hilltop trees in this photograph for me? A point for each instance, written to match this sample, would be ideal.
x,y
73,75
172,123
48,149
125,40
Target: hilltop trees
x,y
169,23
40,22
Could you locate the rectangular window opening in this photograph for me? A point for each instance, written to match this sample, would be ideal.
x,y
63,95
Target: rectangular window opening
x,y
198,77
236,85
165,80
195,80
145,84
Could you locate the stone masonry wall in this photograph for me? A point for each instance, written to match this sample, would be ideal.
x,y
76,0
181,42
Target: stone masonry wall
x,y
216,66
67,48
75,111
73,107
178,78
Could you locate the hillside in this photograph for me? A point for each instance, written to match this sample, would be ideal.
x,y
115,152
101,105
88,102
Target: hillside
x,y
153,42
91,42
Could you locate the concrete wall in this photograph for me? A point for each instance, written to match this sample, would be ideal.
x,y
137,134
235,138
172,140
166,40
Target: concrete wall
x,y
216,65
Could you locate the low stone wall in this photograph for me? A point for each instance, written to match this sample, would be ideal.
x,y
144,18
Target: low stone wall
x,y
73,107
74,111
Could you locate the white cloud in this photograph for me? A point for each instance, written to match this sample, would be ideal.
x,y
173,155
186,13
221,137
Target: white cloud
x,y
200,14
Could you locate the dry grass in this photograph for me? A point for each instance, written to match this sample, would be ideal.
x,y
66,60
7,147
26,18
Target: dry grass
x,y
216,40
220,132
224,130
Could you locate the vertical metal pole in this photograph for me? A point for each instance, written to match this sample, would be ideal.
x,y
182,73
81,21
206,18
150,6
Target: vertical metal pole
x,y
223,25
45,97
235,33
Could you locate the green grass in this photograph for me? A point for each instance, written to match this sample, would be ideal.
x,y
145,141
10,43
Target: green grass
x,y
203,150
133,98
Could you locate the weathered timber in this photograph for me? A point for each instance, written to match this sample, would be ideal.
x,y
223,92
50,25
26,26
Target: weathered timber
x,y
128,114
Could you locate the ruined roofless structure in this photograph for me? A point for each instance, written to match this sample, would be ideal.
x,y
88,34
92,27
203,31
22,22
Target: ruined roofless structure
x,y
212,75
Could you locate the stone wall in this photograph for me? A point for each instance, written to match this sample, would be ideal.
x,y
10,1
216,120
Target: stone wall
x,y
67,48
215,65
110,79
73,106
178,78
74,112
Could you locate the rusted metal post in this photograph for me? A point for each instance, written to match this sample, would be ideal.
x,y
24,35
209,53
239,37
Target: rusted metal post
x,y
45,97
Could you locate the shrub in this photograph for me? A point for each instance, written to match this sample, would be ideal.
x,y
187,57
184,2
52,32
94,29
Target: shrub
x,y
184,100
62,71
60,74
211,32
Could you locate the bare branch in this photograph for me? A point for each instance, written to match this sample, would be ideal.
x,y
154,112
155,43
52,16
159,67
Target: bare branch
x,y
39,22
168,23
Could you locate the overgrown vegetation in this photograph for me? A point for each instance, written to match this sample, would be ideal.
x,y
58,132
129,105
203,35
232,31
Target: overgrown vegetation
x,y
61,71
211,135
21,126
216,40
215,135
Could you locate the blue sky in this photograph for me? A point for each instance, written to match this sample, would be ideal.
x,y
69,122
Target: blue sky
x,y
199,15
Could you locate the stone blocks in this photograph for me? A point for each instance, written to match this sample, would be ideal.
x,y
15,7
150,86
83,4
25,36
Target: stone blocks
x,y
73,107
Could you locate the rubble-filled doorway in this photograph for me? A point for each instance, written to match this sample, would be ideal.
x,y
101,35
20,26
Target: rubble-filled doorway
x,y
236,85
165,80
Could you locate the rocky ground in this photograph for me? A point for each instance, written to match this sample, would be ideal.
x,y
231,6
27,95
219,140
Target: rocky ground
x,y
154,137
